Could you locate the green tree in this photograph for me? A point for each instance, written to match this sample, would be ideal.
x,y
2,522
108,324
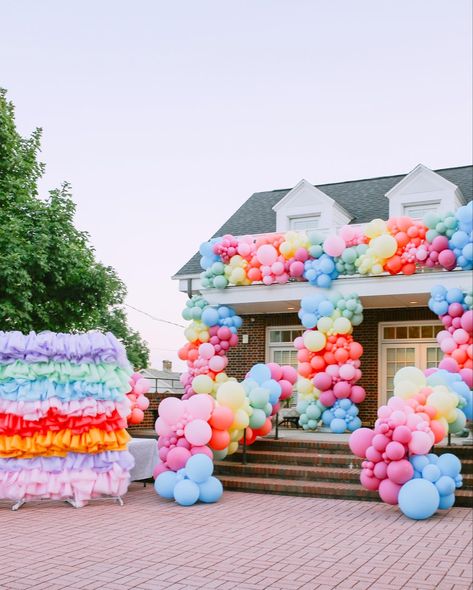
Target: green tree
x,y
49,276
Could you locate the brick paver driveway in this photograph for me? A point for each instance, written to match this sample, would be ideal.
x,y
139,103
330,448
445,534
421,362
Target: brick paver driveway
x,y
245,542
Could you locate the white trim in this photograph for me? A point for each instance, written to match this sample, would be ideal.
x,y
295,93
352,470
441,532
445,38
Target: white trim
x,y
280,344
398,343
418,171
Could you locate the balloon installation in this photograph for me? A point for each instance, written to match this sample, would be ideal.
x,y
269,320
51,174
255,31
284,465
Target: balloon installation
x,y
399,245
329,362
138,400
397,461
63,413
215,411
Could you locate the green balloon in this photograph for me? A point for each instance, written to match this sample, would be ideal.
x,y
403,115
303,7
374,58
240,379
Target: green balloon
x,y
196,313
220,282
349,255
459,424
259,397
313,412
303,419
257,418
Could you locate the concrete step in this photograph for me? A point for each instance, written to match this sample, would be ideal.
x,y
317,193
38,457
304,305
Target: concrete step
x,y
340,490
296,458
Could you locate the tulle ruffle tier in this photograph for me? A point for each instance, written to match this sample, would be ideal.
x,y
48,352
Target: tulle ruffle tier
x,y
62,442
71,462
91,347
87,406
81,485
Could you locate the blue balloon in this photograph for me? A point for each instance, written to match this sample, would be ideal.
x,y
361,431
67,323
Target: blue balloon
x,y
186,492
311,303
345,404
419,462
454,295
446,502
326,308
309,320
327,417
433,458
449,464
339,413
431,472
210,316
210,490
165,483
439,291
224,311
260,373
418,499
338,425
199,467
324,281
354,424
445,485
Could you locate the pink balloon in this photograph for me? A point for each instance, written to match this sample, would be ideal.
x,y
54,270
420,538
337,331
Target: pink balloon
x,y
455,310
395,451
299,343
402,434
296,269
200,406
322,381
224,333
160,468
334,245
400,471
396,403
467,321
141,386
439,243
384,412
420,444
333,370
276,371
171,409
372,454
218,363
267,254
342,389
449,364
380,470
244,249
182,442
203,450
448,345
347,233
142,402
163,453
380,442
467,376
461,336
389,491
177,458
136,377
206,351
198,432
447,259
162,427
301,255
289,374
347,372
369,482
327,398
286,389
360,440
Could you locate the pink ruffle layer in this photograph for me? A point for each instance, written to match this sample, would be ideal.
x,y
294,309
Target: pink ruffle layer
x,y
81,485
88,406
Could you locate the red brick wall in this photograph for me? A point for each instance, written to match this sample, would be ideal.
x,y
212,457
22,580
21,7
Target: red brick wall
x,y
245,355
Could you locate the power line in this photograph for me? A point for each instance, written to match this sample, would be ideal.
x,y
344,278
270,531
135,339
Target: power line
x,y
154,318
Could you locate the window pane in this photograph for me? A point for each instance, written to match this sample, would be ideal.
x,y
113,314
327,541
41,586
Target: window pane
x,y
391,354
414,331
410,356
437,329
307,223
401,332
275,336
427,331
420,210
286,336
389,333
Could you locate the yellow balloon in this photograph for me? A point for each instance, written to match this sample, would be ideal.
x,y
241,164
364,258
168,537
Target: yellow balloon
x,y
324,324
231,394
405,389
375,228
202,384
241,420
314,341
342,325
412,374
232,448
383,246
304,386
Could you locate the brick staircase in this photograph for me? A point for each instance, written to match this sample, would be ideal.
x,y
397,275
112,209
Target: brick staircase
x,y
316,469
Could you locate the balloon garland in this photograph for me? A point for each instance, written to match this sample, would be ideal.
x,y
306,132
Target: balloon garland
x,y
63,416
138,400
400,245
329,362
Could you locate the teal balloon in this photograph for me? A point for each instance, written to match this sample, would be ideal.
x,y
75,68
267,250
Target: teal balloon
x,y
186,492
349,255
259,397
257,418
459,424
419,499
312,424
313,412
302,406
210,490
268,409
303,419
220,455
165,483
220,282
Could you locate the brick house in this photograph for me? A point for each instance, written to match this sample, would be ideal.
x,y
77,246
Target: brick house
x,y
398,327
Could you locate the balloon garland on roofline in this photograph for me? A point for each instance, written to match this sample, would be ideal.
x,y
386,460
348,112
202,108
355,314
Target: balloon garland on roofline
x,y
399,245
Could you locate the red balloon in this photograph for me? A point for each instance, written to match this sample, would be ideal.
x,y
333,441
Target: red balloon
x,y
219,440
221,418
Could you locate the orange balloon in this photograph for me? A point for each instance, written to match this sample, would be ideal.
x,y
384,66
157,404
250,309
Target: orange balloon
x,y
221,418
304,369
219,440
402,238
341,355
265,429
439,431
329,358
303,355
459,355
356,350
136,416
409,268
318,363
393,265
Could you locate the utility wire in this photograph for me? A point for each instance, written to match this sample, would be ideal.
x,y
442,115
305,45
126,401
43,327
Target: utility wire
x,y
153,318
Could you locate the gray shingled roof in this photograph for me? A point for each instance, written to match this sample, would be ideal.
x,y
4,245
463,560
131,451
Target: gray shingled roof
x,y
364,199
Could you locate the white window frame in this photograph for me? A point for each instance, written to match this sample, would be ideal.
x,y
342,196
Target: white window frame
x,y
429,206
418,343
308,216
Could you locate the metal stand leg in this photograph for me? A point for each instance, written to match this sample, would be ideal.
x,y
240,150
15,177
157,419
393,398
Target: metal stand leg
x,y
276,435
120,501
244,447
18,504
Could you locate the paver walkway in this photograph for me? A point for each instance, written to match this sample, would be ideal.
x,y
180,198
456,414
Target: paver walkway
x,y
245,542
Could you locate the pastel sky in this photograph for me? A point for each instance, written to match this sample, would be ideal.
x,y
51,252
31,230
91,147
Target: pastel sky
x,y
166,116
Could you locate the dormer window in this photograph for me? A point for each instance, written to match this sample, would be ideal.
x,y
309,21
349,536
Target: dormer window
x,y
304,222
420,210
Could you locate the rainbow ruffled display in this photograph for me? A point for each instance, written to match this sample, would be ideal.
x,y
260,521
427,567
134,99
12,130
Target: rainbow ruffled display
x,y
63,410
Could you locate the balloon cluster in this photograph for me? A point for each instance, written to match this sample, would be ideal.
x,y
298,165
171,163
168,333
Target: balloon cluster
x,y
329,362
456,340
212,332
400,244
138,400
191,483
414,419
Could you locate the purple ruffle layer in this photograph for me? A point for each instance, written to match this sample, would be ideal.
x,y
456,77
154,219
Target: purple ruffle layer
x,y
100,462
91,347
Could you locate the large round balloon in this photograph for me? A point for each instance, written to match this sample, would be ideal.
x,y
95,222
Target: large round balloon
x,y
419,499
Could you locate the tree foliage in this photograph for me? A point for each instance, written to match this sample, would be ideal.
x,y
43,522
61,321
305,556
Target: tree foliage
x,y
49,276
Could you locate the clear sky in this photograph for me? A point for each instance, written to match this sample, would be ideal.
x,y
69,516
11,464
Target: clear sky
x,y
166,116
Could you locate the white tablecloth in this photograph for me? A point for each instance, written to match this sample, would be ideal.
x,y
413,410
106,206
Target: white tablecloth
x,y
145,452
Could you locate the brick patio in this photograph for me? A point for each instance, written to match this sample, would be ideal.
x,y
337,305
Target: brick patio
x,y
245,542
